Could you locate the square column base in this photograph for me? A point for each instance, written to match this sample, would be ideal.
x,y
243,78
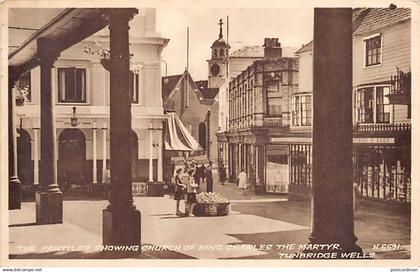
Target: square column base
x,y
15,195
49,207
122,228
155,188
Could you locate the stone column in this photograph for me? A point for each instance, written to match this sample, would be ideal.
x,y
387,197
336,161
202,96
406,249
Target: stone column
x,y
15,195
49,200
36,157
257,176
121,219
94,168
239,158
104,155
160,159
332,192
208,123
151,152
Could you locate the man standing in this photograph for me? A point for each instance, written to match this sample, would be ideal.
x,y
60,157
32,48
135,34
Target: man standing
x,y
222,174
209,178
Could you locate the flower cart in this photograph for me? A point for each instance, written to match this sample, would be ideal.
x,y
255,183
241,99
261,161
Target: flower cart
x,y
210,204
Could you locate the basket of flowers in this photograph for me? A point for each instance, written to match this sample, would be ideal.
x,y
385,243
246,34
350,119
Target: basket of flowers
x,y
211,204
21,95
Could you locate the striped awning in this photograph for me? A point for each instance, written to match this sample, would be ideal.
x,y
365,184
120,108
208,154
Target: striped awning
x,y
177,137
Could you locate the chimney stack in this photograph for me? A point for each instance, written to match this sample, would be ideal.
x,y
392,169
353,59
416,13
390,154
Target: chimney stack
x,y
272,48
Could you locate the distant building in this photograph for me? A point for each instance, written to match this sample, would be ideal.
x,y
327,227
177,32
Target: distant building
x,y
259,107
237,62
195,104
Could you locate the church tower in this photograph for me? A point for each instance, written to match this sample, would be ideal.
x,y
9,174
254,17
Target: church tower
x,y
218,62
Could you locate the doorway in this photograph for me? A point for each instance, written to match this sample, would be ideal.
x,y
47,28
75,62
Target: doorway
x,y
71,158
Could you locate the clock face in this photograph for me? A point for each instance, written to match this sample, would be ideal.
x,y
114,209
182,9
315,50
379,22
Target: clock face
x,y
215,70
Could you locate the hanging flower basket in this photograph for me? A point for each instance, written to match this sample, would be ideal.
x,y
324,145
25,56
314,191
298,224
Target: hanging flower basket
x,y
105,54
21,95
20,101
106,63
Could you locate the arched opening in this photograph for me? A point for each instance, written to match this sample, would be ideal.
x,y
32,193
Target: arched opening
x,y
214,53
72,166
202,139
25,165
222,52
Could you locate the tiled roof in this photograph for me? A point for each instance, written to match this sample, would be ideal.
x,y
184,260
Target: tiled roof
x,y
168,84
209,93
305,47
201,87
257,51
202,84
206,93
370,19
248,52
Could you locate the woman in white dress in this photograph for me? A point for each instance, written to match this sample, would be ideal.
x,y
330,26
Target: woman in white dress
x,y
243,181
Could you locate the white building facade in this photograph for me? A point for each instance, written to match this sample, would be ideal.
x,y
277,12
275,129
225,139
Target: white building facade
x,y
82,97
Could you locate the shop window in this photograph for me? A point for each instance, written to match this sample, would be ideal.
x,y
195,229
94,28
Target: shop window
x,y
373,51
277,168
302,110
301,165
383,172
71,85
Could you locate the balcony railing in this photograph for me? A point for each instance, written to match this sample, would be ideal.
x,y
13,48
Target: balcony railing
x,y
273,122
382,128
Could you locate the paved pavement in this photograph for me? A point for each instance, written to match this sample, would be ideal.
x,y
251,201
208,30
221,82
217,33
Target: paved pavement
x,y
253,229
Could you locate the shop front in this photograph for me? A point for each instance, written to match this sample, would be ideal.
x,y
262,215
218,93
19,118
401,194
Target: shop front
x,y
277,168
382,168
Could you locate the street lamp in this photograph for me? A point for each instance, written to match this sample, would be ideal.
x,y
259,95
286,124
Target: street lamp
x,y
73,120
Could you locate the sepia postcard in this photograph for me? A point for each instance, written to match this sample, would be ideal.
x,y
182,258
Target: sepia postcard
x,y
198,133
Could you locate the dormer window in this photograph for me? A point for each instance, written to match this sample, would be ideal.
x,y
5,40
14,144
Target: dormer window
x,y
373,50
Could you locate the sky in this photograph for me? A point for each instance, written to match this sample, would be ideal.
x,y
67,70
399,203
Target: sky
x,y
247,26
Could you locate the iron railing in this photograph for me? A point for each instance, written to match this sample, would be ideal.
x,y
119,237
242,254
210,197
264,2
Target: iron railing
x,y
401,83
382,128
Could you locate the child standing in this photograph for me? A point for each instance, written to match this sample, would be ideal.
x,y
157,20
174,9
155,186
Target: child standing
x,y
191,191
179,190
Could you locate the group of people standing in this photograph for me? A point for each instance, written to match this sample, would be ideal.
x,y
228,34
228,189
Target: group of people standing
x,y
189,179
